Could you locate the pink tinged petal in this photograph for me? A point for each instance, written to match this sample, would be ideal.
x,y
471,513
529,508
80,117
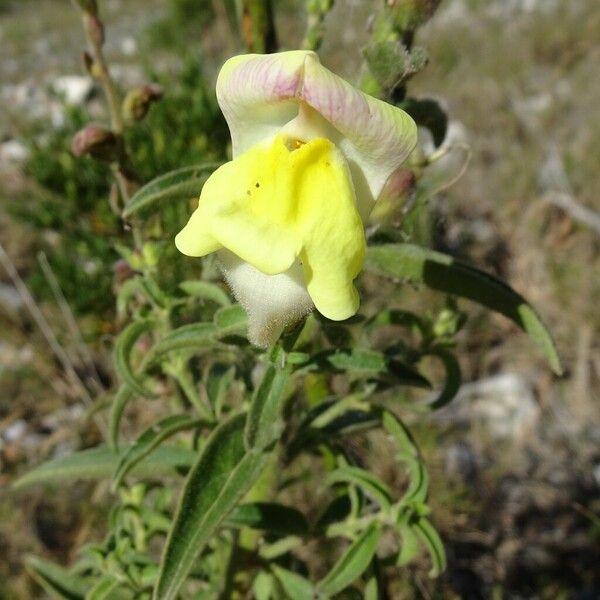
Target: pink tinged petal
x,y
260,94
376,136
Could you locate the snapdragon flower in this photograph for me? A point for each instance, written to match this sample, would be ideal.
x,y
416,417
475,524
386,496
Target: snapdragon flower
x,y
286,216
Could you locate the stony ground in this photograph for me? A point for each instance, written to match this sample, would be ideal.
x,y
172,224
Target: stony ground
x,y
515,459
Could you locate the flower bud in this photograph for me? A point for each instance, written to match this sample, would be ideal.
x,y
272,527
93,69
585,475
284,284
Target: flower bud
x,y
89,6
396,198
410,14
151,254
138,101
96,141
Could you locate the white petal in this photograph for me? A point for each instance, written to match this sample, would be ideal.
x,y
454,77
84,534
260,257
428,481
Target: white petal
x,y
273,302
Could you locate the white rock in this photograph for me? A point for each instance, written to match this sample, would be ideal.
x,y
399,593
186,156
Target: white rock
x,y
75,89
15,430
10,299
504,405
128,46
13,151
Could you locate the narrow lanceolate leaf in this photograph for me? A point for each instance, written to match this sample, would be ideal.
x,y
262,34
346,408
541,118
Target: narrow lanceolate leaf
x,y
432,541
231,320
224,472
353,563
100,463
418,478
123,348
366,363
443,273
453,377
107,588
205,291
120,401
55,580
197,337
269,516
369,483
149,441
265,424
182,183
295,586
409,544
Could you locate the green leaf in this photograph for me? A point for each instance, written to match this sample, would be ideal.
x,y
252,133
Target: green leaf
x,y
432,541
107,588
366,363
185,182
231,320
269,516
453,377
190,338
295,586
130,288
409,454
100,463
55,580
219,379
149,441
371,589
264,424
123,348
409,545
205,291
443,273
262,586
353,563
120,401
368,482
224,472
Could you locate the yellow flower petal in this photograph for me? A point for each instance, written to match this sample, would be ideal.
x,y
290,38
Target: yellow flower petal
x,y
279,202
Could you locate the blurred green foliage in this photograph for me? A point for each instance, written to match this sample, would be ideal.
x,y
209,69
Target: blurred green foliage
x,y
72,212
185,20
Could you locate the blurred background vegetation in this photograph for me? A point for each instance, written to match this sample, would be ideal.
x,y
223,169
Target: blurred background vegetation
x,y
515,461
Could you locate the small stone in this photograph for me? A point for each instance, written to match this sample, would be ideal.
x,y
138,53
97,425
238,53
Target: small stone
x,y
13,151
128,46
15,431
75,89
505,405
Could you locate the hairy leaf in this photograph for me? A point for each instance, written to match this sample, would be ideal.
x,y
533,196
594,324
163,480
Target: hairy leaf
x,y
185,182
264,424
195,337
205,291
224,472
295,586
150,440
55,580
353,563
123,348
443,273
100,463
120,401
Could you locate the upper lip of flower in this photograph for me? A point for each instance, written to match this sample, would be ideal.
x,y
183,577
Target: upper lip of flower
x,y
261,94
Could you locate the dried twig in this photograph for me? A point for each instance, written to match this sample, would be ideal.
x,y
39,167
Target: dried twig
x,y
84,352
576,211
42,323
